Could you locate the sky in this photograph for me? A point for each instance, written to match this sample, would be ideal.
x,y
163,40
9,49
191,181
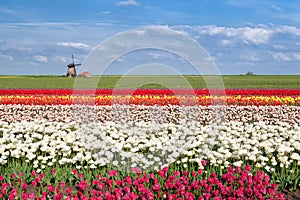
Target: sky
x,y
38,37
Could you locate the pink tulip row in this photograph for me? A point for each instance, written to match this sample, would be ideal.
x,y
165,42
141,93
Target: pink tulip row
x,y
236,183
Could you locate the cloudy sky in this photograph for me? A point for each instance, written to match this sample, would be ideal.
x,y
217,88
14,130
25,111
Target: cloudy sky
x,y
39,36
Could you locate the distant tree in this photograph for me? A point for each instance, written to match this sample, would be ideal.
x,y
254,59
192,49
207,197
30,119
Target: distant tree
x,y
249,73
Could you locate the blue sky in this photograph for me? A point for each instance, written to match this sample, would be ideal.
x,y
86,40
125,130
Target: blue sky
x,y
39,36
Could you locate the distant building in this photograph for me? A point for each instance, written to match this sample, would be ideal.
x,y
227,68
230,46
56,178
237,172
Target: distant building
x,y
85,74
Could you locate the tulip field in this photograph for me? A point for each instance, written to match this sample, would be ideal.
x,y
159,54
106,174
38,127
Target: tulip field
x,y
149,143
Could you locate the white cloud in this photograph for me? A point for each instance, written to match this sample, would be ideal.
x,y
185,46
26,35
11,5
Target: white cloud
x,y
226,42
288,29
278,46
120,60
105,12
6,57
128,3
159,55
250,56
60,59
255,35
297,56
7,11
33,63
249,35
76,45
281,57
24,49
40,58
239,3
155,55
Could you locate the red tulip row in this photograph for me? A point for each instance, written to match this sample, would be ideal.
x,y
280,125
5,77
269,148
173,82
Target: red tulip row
x,y
197,92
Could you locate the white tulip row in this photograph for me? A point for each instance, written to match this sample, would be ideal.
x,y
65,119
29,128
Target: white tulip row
x,y
149,145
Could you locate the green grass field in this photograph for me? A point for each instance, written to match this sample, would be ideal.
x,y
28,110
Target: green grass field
x,y
229,81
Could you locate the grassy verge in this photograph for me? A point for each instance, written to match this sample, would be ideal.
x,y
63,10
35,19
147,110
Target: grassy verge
x,y
229,81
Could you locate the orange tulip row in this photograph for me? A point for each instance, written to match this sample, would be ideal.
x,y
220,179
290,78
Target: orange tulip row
x,y
149,100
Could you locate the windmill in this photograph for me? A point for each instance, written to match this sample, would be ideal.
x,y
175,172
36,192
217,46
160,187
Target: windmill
x,y
71,68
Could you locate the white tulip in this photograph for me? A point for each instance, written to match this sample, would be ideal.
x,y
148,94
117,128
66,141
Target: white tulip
x,y
295,156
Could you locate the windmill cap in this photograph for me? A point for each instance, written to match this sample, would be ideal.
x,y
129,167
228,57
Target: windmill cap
x,y
71,65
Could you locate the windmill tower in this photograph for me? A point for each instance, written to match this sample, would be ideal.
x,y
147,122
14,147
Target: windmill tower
x,y
71,68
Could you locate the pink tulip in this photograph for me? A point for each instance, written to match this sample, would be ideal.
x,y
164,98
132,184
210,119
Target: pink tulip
x,y
203,162
50,188
33,173
13,176
24,186
112,173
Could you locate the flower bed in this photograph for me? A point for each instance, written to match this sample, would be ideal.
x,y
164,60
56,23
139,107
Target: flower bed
x,y
166,114
150,97
236,183
162,134
199,92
